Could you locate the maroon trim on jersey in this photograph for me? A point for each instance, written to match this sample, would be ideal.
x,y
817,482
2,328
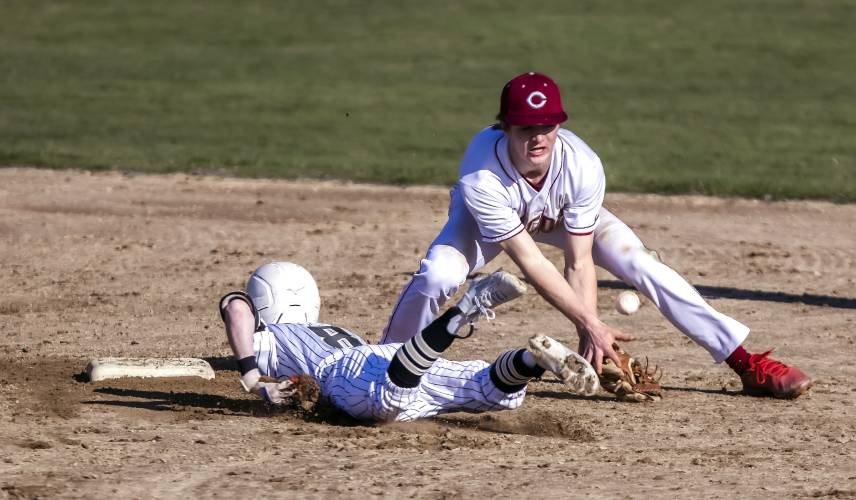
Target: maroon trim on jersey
x,y
510,177
517,230
538,185
581,234
558,169
499,160
596,218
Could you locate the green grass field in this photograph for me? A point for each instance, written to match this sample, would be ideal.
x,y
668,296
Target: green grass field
x,y
728,98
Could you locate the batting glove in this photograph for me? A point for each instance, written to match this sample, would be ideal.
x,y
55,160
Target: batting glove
x,y
272,391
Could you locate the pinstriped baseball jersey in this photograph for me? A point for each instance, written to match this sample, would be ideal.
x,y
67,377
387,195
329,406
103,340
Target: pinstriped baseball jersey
x,y
355,378
503,203
359,385
287,349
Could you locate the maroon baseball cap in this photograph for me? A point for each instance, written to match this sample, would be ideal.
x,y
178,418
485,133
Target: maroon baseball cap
x,y
531,99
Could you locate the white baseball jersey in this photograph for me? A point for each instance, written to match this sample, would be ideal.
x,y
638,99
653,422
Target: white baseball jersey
x,y
503,203
492,202
287,349
353,375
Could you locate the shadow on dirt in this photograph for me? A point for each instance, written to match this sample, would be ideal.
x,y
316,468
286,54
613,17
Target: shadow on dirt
x,y
538,423
726,292
216,404
602,397
222,363
179,401
564,394
721,392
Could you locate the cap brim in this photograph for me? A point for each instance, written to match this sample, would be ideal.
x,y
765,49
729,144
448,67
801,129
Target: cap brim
x,y
525,120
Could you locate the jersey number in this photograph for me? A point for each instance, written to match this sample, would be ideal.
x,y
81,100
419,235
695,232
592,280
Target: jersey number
x,y
336,337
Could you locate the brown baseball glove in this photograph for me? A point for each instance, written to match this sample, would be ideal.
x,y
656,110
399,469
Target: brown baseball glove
x,y
632,381
305,396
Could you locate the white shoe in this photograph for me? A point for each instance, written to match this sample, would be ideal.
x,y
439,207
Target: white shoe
x,y
570,367
488,292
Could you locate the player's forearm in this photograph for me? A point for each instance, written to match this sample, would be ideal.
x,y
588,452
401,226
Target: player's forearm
x,y
551,285
583,279
548,281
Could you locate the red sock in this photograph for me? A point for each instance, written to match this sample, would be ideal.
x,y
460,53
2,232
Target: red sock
x,y
738,360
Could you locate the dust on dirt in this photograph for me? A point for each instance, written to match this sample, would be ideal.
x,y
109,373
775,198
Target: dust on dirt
x,y
108,264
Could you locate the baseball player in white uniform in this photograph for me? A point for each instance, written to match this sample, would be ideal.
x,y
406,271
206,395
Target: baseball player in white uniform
x,y
526,180
392,382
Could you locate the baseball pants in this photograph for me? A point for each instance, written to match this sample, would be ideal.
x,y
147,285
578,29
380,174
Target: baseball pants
x,y
358,384
457,251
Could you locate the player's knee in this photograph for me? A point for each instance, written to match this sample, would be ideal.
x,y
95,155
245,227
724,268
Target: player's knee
x,y
620,253
615,238
641,261
442,272
636,267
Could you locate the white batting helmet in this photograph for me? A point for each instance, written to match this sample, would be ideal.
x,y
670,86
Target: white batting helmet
x,y
284,292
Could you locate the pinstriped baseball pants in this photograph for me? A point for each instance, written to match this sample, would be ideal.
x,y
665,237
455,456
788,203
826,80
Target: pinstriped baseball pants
x,y
357,384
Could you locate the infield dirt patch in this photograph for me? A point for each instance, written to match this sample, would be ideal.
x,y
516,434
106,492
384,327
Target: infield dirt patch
x,y
98,265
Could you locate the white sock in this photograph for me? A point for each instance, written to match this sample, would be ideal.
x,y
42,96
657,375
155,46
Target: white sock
x,y
456,323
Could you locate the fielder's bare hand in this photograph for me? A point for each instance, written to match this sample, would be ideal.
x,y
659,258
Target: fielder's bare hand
x,y
596,343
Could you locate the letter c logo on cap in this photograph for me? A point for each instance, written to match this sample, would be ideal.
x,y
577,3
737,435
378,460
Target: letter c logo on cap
x,y
536,100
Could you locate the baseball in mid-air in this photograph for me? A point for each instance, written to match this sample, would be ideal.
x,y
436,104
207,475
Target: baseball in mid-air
x,y
627,302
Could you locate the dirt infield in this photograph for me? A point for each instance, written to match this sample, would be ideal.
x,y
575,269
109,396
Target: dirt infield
x,y
115,265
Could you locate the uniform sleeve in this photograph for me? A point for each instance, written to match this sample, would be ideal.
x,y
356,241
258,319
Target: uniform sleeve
x,y
491,209
582,213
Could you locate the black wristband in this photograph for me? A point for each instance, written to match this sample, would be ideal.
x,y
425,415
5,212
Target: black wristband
x,y
247,364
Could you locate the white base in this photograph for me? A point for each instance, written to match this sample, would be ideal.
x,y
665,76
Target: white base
x,y
110,368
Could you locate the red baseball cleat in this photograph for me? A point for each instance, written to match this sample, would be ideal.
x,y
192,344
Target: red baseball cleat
x,y
768,377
